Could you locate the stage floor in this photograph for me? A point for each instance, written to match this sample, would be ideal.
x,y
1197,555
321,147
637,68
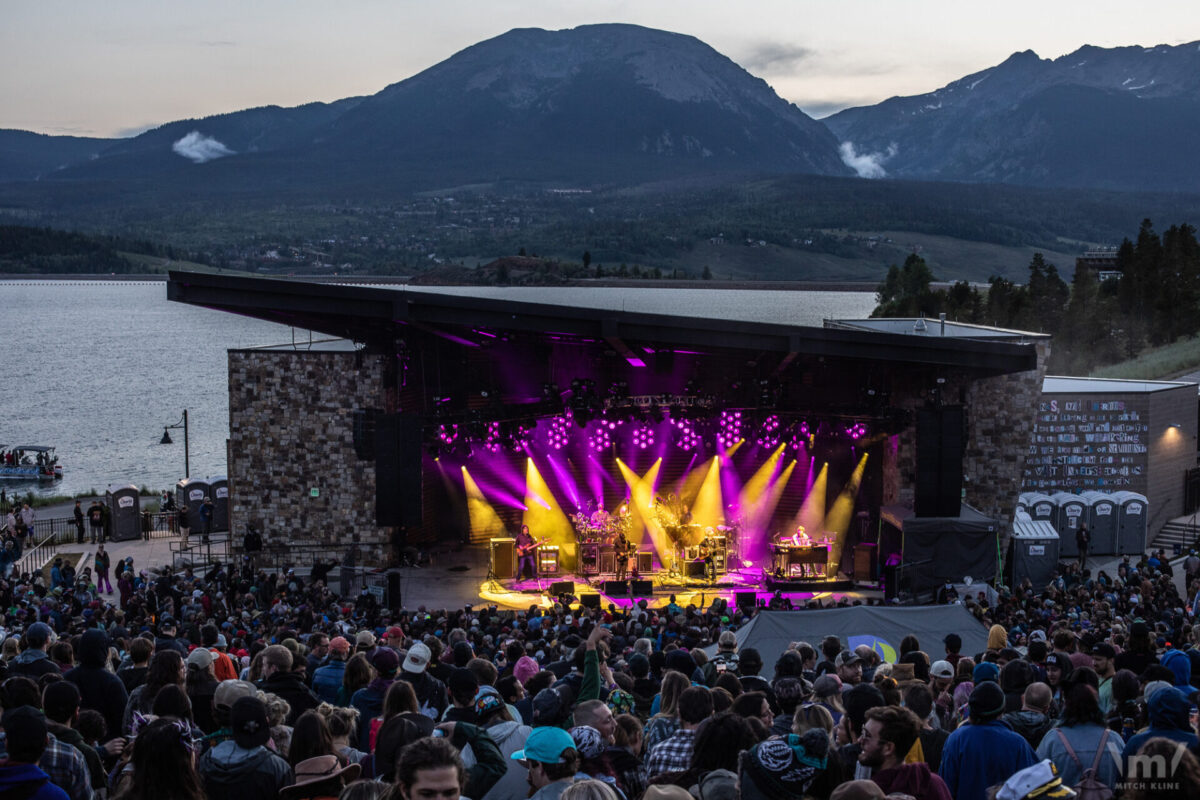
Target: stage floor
x,y
455,578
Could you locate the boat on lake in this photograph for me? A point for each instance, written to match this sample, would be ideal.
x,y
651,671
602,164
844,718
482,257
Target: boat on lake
x,y
29,462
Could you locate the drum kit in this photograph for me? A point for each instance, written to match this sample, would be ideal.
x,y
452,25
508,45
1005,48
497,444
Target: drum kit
x,y
600,527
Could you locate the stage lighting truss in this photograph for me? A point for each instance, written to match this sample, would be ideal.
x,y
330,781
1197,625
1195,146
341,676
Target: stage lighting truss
x,y
643,437
729,430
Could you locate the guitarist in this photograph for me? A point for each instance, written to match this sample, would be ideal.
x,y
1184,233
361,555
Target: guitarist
x,y
526,555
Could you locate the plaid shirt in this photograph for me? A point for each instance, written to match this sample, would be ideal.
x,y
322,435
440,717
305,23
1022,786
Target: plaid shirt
x,y
67,769
673,754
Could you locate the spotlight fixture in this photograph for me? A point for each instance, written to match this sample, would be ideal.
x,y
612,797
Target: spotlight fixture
x,y
599,438
856,431
559,433
447,433
686,437
493,440
730,428
768,435
643,437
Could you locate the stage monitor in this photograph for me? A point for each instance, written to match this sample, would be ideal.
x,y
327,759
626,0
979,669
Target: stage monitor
x,y
641,588
589,600
746,600
616,588
559,588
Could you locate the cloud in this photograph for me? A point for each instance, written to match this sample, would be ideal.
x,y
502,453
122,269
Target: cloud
x,y
200,148
867,165
775,57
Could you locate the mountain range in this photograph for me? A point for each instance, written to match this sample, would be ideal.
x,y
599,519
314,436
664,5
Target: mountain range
x,y
614,104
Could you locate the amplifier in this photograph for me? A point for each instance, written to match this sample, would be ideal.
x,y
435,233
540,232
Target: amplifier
x,y
608,560
547,558
589,559
645,563
694,569
503,558
719,562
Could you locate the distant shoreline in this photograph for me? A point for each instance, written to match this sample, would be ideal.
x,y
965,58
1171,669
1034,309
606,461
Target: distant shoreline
x,y
777,286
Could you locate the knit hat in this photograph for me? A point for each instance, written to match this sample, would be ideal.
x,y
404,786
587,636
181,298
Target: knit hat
x,y
986,701
587,740
985,671
525,668
785,768
385,661
857,790
547,707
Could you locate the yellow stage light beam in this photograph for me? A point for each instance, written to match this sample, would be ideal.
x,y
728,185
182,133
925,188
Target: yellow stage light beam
x,y
754,498
812,511
485,522
839,518
641,493
709,509
733,448
775,493
545,518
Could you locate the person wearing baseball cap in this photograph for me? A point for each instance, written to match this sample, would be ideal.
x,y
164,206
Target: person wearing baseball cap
x,y
985,752
430,692
369,699
849,668
243,767
552,760
34,662
1104,657
327,679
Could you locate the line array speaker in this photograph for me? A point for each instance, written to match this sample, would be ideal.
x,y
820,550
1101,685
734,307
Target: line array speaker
x,y
398,470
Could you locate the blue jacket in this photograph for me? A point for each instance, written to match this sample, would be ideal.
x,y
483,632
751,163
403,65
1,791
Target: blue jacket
x,y
1084,739
327,680
1178,662
369,702
18,779
978,756
1169,712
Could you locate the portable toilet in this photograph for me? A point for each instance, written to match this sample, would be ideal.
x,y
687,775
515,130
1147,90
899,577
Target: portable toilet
x,y
124,512
218,487
1024,501
1032,552
1102,522
1072,510
1133,514
191,492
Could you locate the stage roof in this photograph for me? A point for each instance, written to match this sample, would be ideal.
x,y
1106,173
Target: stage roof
x,y
378,316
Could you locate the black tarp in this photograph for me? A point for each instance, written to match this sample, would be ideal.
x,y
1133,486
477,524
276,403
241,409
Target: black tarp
x,y
940,550
881,627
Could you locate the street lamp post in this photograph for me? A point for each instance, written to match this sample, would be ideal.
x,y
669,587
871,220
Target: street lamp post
x,y
166,439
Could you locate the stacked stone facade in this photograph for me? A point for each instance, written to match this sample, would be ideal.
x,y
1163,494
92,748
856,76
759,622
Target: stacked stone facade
x,y
291,422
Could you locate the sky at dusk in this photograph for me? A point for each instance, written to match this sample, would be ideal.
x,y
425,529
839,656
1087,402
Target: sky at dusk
x,y
118,67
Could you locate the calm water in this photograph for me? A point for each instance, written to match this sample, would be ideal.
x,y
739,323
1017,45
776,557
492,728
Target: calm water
x,y
96,369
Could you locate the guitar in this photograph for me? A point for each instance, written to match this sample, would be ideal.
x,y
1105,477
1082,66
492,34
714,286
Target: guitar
x,y
525,549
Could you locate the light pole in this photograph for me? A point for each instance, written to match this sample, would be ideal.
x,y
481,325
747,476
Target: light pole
x,y
166,439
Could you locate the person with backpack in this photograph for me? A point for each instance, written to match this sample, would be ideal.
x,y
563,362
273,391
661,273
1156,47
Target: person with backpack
x,y
1086,753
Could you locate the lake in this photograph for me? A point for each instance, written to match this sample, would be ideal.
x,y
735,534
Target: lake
x,y
97,368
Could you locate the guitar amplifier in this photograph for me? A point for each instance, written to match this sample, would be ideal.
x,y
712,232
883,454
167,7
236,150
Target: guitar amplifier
x,y
608,560
504,558
547,560
589,559
645,563
694,569
719,562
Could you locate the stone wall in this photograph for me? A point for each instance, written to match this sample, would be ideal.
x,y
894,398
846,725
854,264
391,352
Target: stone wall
x,y
291,422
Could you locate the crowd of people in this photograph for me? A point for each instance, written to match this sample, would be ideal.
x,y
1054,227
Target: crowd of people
x,y
256,685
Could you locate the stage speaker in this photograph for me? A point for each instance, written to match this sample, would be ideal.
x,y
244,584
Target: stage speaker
x,y
746,600
864,562
616,588
941,442
393,590
559,588
398,470
504,558
645,563
694,569
589,600
641,588
364,433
